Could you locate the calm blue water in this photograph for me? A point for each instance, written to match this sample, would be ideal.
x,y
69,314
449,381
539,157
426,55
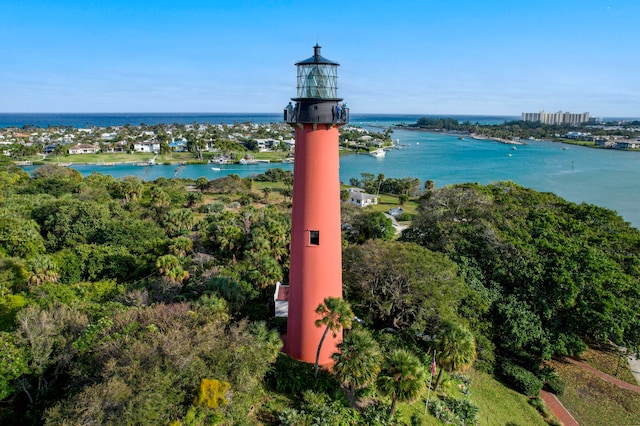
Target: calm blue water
x,y
135,119
603,177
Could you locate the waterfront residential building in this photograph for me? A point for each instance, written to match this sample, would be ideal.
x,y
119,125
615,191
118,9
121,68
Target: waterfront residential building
x,y
556,118
83,148
147,146
361,198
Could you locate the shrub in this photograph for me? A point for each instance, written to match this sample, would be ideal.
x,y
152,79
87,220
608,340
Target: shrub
x,y
378,414
416,420
521,379
465,383
544,411
212,393
317,409
440,411
464,410
274,175
570,345
292,377
486,359
539,405
404,217
554,384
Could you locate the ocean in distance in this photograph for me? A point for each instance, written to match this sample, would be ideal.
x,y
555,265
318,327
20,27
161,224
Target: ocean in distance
x,y
607,178
120,119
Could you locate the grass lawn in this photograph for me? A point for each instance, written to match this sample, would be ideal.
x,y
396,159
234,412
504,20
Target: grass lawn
x,y
174,157
594,402
499,405
98,158
589,144
387,202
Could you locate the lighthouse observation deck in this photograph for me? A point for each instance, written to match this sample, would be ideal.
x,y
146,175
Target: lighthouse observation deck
x,y
310,112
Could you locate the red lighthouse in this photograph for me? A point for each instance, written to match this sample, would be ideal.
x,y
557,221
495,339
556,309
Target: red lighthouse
x,y
316,250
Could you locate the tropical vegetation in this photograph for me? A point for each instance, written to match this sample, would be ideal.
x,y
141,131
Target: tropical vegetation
x,y
126,301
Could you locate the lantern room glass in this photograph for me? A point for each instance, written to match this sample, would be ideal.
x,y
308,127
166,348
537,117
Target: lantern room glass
x,y
318,81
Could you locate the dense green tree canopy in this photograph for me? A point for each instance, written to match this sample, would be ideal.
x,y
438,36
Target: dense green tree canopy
x,y
91,271
20,237
557,273
402,286
120,298
368,225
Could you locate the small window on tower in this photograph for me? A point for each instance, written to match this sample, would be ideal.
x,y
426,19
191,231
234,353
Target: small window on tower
x,y
314,238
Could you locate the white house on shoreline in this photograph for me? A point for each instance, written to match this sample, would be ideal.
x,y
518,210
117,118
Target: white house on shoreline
x,y
360,198
83,148
147,146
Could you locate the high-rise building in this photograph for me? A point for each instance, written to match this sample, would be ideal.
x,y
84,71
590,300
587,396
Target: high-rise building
x,y
557,118
316,249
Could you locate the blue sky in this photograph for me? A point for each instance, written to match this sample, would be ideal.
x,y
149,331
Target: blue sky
x,y
420,57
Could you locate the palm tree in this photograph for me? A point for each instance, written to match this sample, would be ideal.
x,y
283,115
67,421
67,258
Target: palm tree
x,y
194,198
456,349
169,266
131,187
336,314
180,246
402,377
357,362
42,269
178,222
160,199
229,238
380,180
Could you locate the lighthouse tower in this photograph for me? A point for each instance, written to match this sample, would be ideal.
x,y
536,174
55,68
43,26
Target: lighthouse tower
x,y
316,251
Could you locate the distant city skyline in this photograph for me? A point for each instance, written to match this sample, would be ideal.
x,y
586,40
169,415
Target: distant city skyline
x,y
409,57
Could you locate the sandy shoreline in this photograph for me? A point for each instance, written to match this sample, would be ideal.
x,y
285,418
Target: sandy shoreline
x,y
476,136
501,140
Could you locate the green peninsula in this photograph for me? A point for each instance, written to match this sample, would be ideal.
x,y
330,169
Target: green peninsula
x,y
612,135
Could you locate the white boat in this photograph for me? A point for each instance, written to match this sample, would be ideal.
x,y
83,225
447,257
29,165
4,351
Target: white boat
x,y
216,169
378,152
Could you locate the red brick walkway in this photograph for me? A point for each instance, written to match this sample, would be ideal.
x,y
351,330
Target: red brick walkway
x,y
604,376
558,410
561,413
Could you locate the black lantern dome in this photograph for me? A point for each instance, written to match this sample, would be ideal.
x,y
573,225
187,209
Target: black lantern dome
x,y
317,77
317,93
